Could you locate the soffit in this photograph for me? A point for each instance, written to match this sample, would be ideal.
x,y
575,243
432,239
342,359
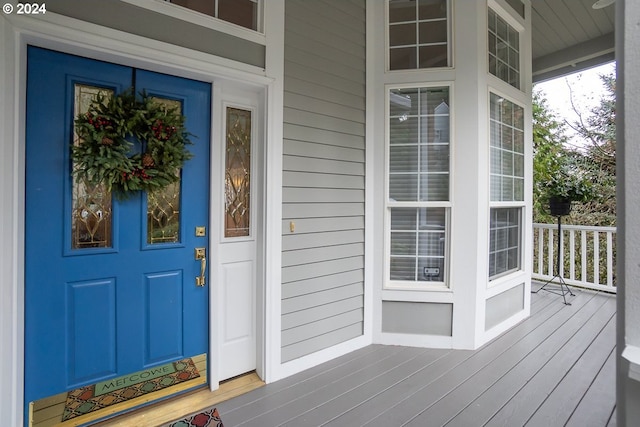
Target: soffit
x,y
570,35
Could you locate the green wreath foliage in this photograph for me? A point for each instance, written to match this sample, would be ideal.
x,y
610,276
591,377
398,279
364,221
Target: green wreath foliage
x,y
110,129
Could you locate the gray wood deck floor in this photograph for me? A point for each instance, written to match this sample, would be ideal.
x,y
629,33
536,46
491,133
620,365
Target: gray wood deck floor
x,y
556,368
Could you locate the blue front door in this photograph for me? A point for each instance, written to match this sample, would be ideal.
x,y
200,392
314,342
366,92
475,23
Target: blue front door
x,y
110,285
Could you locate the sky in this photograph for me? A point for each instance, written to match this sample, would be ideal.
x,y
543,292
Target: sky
x,y
587,90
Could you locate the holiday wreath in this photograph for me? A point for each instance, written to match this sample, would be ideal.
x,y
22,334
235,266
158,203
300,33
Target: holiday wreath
x,y
110,130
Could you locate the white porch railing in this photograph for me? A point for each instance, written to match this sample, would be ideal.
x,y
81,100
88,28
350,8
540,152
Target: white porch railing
x,y
588,255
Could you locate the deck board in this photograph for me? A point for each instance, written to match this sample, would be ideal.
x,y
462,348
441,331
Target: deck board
x,y
491,376
599,402
556,366
524,362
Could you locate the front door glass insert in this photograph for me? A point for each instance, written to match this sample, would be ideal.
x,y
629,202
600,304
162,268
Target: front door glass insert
x,y
163,206
237,175
91,219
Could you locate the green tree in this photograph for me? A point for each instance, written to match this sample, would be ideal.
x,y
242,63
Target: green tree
x,y
598,131
548,153
593,160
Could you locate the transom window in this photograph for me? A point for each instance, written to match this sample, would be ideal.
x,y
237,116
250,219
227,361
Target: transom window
x,y
239,12
418,34
418,185
504,50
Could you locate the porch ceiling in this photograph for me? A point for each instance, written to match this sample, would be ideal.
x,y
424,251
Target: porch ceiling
x,y
569,36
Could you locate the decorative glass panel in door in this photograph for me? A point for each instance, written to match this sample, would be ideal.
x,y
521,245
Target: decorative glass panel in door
x,y
163,205
91,207
237,175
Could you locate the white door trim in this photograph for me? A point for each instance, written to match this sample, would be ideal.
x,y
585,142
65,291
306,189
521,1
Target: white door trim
x,y
81,38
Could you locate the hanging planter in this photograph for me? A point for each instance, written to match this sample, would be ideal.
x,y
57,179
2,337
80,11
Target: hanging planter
x,y
110,130
566,185
559,206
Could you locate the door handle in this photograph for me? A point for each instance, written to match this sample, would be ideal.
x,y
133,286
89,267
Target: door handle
x,y
201,255
200,281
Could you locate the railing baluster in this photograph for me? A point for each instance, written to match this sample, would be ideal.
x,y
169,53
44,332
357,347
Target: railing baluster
x,y
610,259
583,256
572,254
540,250
596,257
550,246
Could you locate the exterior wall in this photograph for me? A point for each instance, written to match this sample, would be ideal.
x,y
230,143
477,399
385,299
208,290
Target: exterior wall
x,y
131,19
504,305
323,175
628,158
417,318
480,312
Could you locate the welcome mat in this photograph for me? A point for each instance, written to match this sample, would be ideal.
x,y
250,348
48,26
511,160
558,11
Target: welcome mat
x,y
91,398
207,418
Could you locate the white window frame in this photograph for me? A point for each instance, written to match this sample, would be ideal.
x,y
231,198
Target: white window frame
x,y
517,204
166,8
518,24
450,43
388,205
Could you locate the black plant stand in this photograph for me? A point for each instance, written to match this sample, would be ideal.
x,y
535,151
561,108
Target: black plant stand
x,y
563,284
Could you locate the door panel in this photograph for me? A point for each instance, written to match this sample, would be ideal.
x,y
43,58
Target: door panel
x,y
100,308
236,257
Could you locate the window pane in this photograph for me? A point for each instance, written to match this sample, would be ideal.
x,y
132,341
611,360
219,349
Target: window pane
x,y
423,28
434,100
237,176
403,243
163,206
435,158
404,130
507,150
402,268
207,7
432,32
403,188
402,35
434,187
240,12
403,219
403,158
432,9
163,215
404,58
504,244
403,102
402,10
419,146
504,50
422,244
433,56
91,214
